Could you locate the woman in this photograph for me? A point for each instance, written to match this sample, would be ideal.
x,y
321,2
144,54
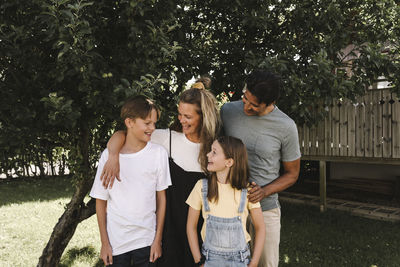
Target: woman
x,y
187,144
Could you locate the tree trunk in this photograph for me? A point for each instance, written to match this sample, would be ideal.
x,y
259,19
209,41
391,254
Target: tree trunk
x,y
39,163
76,210
61,168
51,159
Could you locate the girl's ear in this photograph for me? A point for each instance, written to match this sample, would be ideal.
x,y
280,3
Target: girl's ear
x,y
229,162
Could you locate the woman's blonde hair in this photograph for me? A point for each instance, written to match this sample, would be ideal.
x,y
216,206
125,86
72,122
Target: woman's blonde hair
x,y
207,108
238,176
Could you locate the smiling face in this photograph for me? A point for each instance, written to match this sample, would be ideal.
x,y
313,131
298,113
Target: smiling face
x,y
217,162
141,129
251,105
190,120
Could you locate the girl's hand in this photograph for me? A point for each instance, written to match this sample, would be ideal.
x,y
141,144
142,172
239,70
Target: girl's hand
x,y
106,254
155,251
110,171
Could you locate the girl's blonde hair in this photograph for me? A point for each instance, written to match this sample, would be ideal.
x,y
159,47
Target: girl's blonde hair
x,y
207,108
238,175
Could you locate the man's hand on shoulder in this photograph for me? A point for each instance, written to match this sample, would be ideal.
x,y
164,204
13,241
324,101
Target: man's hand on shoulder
x,y
256,193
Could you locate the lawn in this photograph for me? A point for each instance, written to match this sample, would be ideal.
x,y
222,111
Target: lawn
x,y
334,238
30,208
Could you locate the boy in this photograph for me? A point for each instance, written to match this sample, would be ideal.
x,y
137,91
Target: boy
x,y
131,214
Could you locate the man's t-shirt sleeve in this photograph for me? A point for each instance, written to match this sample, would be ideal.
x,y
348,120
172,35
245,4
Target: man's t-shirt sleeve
x,y
290,144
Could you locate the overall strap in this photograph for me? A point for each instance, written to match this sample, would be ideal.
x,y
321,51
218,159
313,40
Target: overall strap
x,y
170,152
243,197
204,191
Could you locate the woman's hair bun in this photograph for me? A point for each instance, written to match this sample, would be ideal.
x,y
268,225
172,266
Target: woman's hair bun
x,y
203,82
198,85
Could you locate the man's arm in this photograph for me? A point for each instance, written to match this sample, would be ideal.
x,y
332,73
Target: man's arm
x,y
291,170
111,167
106,250
155,250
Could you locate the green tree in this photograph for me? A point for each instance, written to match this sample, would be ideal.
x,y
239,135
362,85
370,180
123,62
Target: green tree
x,y
303,41
66,66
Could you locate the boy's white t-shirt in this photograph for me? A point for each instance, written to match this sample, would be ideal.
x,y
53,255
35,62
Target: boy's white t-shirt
x,y
184,152
131,203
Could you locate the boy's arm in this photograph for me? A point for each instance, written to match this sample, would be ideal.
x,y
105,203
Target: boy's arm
x,y
191,231
111,168
106,251
259,226
155,250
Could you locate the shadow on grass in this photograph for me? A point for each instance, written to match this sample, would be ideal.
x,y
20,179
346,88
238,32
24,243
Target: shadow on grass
x,y
20,190
85,254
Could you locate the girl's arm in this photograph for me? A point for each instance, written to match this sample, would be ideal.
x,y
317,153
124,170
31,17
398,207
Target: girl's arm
x,y
106,251
155,249
191,231
111,168
259,226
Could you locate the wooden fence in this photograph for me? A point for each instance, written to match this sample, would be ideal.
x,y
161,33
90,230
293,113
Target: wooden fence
x,y
367,130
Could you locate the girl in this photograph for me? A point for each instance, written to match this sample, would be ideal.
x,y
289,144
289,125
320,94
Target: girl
x,y
223,201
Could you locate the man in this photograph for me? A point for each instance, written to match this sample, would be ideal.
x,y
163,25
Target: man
x,y
271,138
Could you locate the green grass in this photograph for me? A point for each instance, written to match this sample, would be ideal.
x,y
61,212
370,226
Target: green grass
x,y
30,208
333,238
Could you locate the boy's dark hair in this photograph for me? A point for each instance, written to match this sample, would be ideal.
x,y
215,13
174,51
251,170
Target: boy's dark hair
x,y
138,107
264,85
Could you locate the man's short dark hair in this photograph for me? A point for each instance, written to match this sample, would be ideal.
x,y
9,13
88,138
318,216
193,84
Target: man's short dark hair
x,y
264,85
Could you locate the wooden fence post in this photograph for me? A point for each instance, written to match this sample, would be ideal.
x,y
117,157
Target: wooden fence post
x,y
322,185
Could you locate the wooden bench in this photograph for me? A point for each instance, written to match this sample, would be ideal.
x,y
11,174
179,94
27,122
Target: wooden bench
x,y
384,187
381,185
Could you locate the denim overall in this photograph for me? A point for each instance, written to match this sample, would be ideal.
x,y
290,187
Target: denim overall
x,y
225,243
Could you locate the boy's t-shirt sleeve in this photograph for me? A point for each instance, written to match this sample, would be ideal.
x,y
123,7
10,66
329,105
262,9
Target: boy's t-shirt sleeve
x,y
195,199
163,177
98,191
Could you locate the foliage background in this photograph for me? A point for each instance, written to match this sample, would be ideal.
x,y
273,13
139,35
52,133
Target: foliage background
x,y
67,65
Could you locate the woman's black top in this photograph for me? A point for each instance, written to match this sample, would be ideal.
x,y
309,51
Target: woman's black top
x,y
176,250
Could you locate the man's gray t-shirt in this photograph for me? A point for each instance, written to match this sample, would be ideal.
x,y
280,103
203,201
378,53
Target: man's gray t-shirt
x,y
269,139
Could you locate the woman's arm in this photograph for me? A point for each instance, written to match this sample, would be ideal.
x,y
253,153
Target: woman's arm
x,y
111,167
106,251
191,231
259,226
155,250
